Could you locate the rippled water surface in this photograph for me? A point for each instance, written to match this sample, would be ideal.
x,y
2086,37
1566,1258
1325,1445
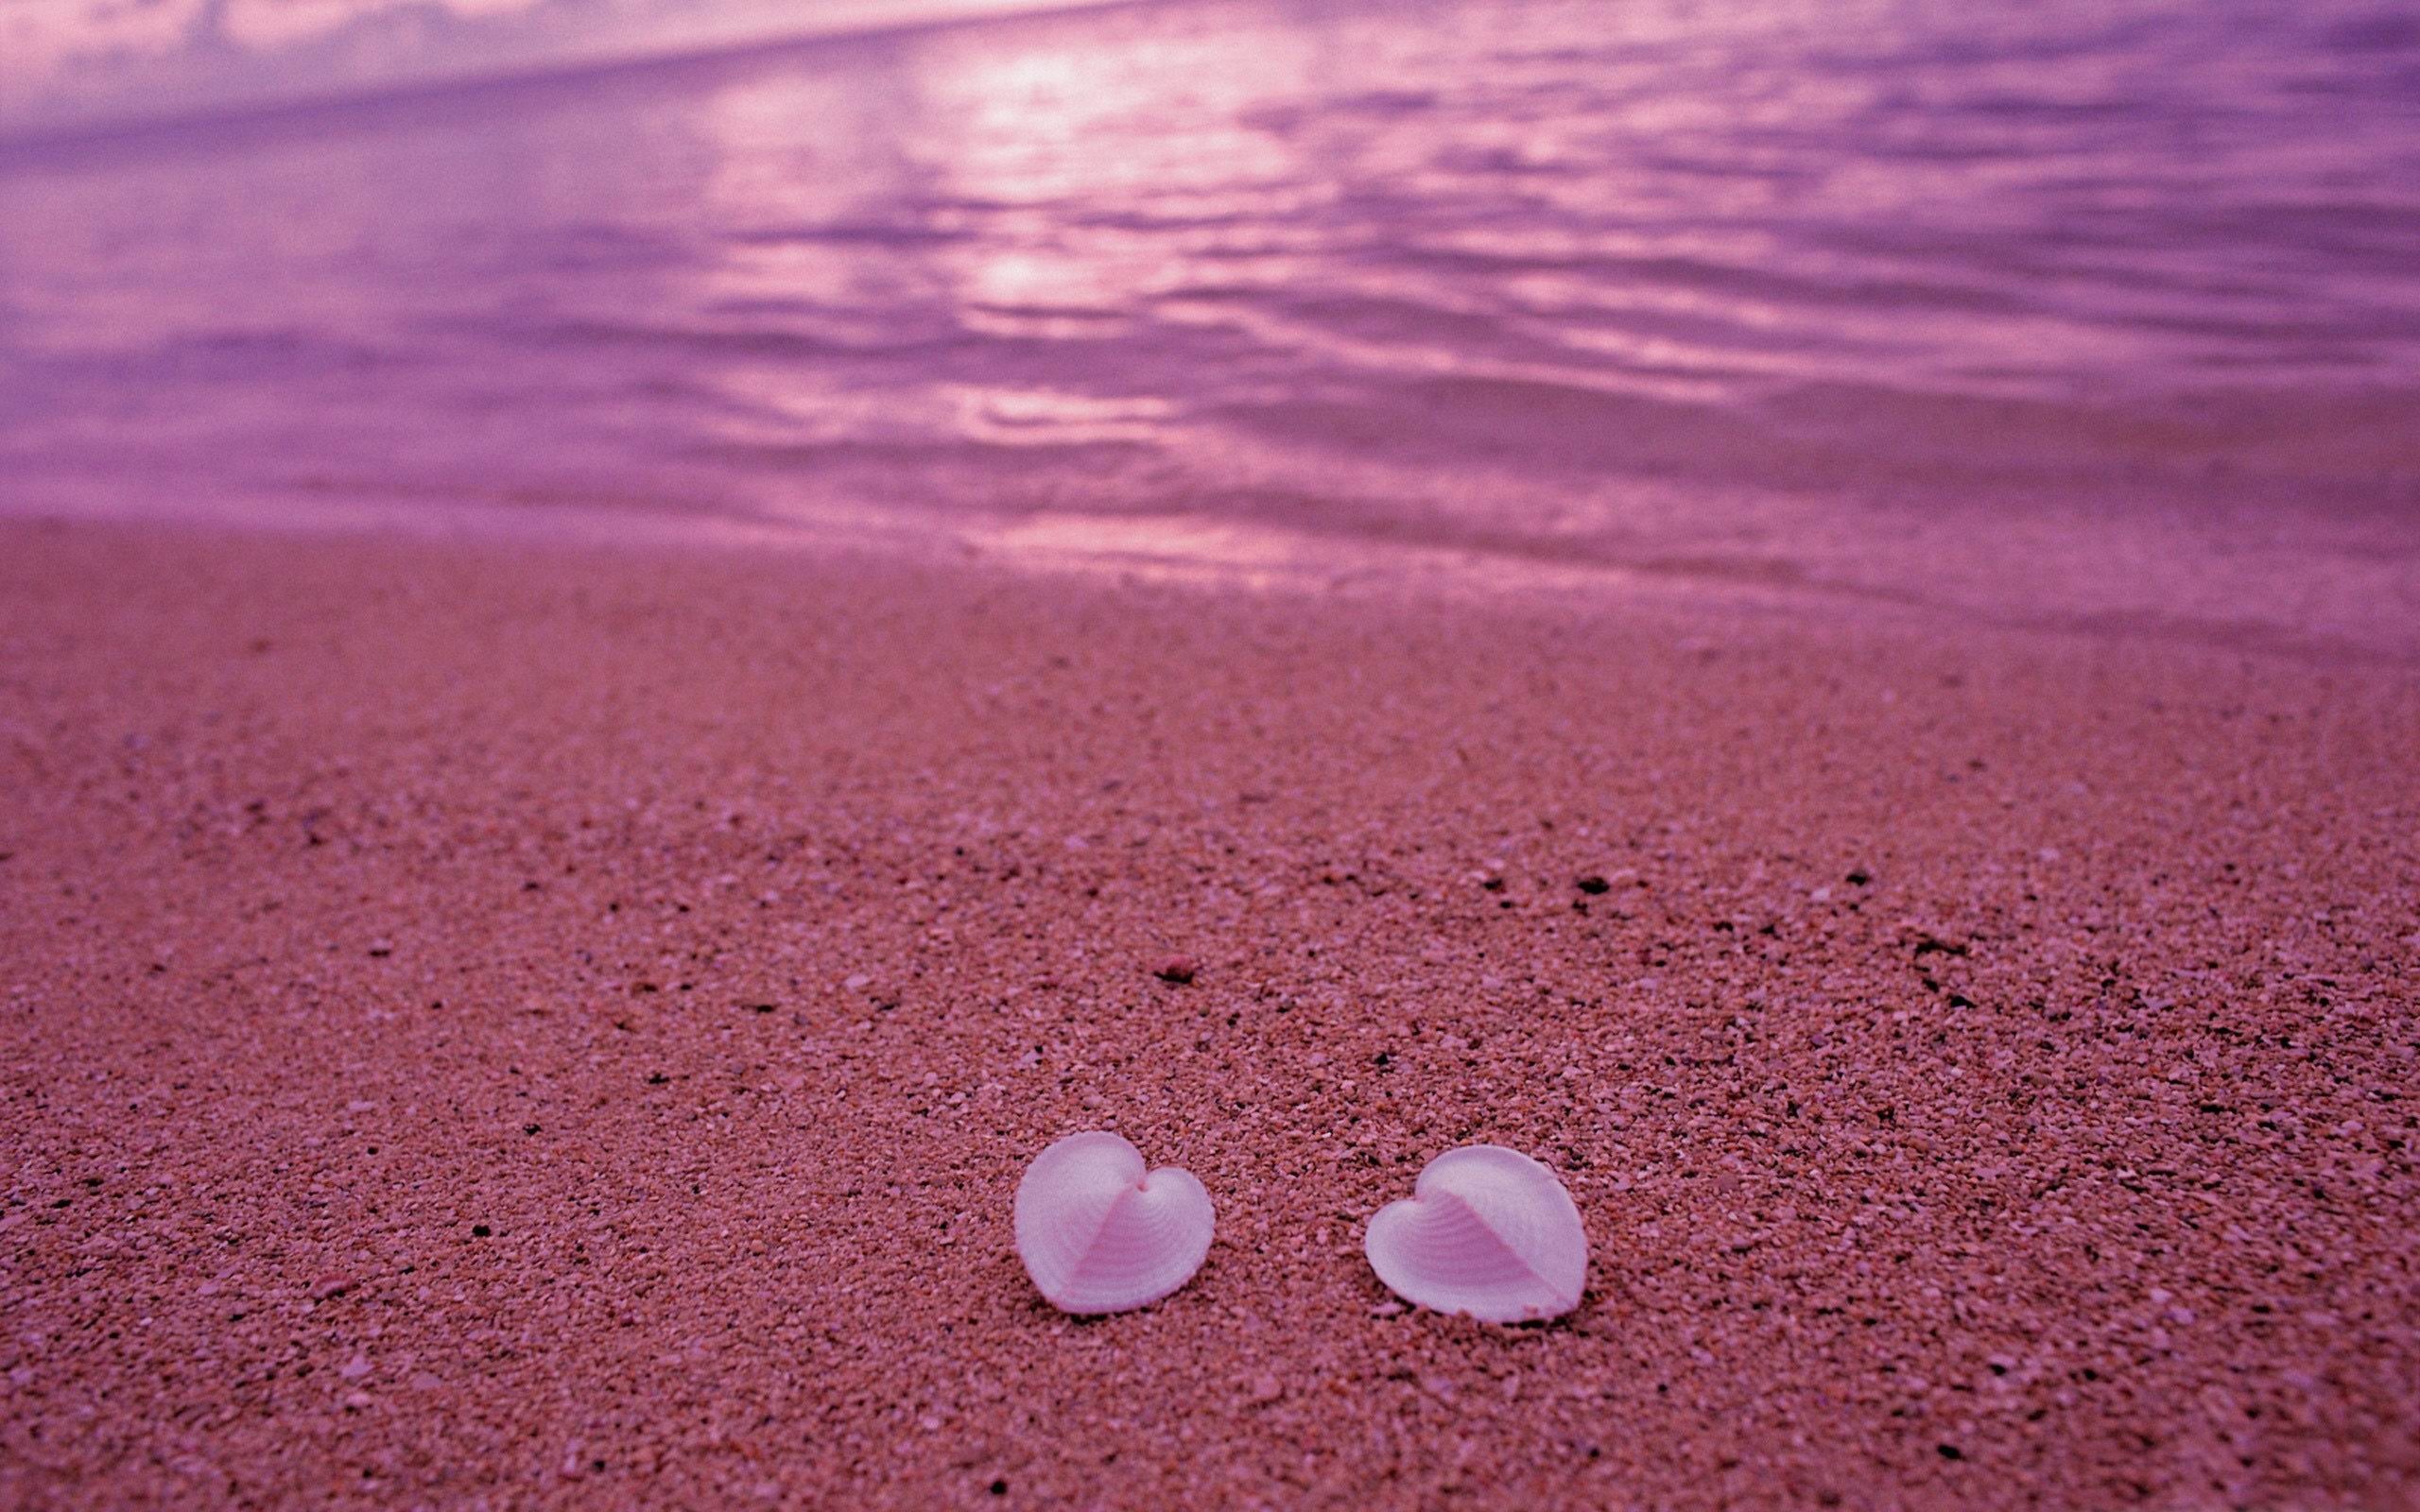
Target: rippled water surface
x,y
2095,310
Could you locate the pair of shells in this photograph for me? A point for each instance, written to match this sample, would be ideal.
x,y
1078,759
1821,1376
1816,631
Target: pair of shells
x,y
1486,1231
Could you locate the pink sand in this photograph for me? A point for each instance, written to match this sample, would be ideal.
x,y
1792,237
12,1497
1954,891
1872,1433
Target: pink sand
x,y
500,1028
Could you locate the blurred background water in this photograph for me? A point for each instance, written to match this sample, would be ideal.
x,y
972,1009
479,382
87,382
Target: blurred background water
x,y
2100,312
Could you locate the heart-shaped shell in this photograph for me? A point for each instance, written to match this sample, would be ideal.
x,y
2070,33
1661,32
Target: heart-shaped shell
x,y
1100,1234
1486,1231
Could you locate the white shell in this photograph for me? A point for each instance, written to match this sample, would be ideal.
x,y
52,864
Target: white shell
x,y
1099,1234
1486,1231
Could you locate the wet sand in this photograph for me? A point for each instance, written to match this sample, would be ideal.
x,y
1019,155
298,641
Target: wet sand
x,y
500,1027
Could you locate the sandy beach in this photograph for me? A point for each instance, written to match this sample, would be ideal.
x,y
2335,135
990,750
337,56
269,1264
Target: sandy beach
x,y
492,1027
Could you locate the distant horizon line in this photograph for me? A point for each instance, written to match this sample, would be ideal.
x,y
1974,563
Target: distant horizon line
x,y
37,137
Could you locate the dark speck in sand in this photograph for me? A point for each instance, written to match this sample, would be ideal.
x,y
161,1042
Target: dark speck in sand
x,y
480,1230
1861,877
528,1128
999,1488
1949,1451
656,1078
1593,884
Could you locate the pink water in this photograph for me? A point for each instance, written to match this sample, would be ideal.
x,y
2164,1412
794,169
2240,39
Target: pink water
x,y
2087,314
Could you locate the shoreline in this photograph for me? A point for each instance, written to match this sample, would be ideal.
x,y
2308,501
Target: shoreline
x,y
1214,554
560,1025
